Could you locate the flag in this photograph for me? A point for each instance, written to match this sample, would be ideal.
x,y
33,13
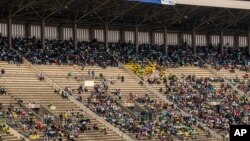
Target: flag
x,y
167,2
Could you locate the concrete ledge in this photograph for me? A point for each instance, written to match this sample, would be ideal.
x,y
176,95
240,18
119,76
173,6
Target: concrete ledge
x,y
236,4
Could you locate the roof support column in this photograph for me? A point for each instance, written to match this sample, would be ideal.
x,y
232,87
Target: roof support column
x,y
180,38
209,39
122,35
27,31
194,41
106,36
43,33
60,32
221,42
152,37
75,35
166,40
248,40
10,32
236,41
136,39
91,34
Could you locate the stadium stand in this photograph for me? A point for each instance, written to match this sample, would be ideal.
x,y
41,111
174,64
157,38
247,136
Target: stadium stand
x,y
76,70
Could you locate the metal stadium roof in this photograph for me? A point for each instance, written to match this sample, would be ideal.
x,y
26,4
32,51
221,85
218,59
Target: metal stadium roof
x,y
126,14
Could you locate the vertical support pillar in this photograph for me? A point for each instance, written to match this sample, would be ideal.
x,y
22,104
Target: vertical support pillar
x,y
106,36
194,41
221,43
136,39
27,31
10,32
166,40
122,35
209,41
75,35
236,41
248,40
180,37
60,32
43,33
152,37
91,34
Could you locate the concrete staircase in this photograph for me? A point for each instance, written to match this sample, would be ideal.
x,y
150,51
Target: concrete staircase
x,y
59,75
21,82
8,137
198,72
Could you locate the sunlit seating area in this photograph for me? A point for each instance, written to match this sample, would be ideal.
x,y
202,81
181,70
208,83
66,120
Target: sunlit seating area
x,y
141,70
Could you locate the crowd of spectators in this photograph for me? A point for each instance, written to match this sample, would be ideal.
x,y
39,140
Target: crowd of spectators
x,y
8,54
170,121
63,52
207,104
193,94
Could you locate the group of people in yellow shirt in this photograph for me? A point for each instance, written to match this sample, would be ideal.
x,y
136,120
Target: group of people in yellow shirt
x,y
146,70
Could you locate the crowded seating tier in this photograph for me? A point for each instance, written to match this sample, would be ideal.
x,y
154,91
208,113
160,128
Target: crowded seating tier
x,y
29,88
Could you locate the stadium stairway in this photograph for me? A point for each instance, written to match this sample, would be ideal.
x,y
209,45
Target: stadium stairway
x,y
225,73
59,75
61,78
21,82
6,100
198,72
202,135
56,73
8,137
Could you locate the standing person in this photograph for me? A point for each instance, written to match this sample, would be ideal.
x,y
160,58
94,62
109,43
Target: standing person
x,y
2,71
93,74
89,72
122,78
82,67
69,74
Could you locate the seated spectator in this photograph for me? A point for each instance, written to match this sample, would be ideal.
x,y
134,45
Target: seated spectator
x,y
2,71
41,76
52,107
95,127
122,79
2,91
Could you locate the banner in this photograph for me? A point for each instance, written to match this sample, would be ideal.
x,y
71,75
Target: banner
x,y
89,83
167,2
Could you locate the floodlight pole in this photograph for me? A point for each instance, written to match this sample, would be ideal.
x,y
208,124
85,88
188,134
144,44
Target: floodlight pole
x,y
248,40
221,42
106,35
43,33
10,32
194,41
166,40
75,35
136,39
